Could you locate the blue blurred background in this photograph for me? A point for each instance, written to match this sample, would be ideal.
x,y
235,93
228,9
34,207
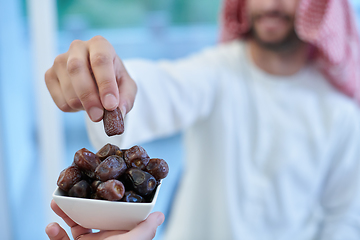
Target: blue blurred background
x,y
151,29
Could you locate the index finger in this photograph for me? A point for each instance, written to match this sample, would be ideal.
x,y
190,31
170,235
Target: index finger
x,y
102,56
61,214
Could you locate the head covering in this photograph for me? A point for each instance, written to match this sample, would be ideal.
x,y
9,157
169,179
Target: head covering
x,y
328,25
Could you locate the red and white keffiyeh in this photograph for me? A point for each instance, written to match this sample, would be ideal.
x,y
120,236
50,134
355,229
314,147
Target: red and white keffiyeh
x,y
329,25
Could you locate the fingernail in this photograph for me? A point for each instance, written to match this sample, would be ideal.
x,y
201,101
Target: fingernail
x,y
123,111
96,113
160,219
110,101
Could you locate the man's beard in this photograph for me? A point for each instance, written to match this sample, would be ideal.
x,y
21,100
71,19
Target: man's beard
x,y
289,42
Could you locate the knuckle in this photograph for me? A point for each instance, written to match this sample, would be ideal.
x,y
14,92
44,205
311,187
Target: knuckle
x,y
64,107
98,38
48,75
86,97
74,66
74,103
60,60
105,84
100,59
75,43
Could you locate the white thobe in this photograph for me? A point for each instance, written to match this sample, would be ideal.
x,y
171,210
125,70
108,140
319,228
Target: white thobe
x,y
267,157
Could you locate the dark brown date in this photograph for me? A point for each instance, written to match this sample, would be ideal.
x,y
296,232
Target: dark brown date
x,y
95,196
142,182
137,157
111,168
126,181
158,168
113,122
107,151
111,190
87,161
114,174
94,185
81,189
68,177
131,196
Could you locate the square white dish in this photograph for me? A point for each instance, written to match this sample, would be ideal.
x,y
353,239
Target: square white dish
x,y
104,214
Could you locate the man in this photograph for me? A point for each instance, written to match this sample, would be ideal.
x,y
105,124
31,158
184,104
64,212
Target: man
x,y
272,147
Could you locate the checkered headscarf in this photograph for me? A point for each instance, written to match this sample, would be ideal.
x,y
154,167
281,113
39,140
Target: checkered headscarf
x,y
328,25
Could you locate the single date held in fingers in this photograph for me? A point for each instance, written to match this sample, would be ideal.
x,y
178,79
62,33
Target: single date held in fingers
x,y
113,122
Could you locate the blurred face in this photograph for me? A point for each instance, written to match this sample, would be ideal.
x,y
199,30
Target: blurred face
x,y
272,23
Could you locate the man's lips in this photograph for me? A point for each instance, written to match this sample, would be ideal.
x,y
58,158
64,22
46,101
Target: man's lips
x,y
272,21
273,14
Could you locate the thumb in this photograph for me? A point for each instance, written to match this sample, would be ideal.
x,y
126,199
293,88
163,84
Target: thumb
x,y
146,230
55,232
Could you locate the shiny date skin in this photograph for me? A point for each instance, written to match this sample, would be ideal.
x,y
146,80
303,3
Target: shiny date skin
x,y
81,189
68,177
94,185
137,157
108,150
131,196
111,168
111,190
87,161
142,182
158,168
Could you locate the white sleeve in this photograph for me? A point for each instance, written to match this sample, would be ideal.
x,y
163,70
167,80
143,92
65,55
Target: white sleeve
x,y
340,199
171,96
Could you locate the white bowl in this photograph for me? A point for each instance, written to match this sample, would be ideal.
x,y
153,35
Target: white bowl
x,y
103,214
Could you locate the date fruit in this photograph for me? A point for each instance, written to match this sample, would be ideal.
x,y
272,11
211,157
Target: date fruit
x,y
131,196
111,168
68,177
107,151
81,189
137,157
94,185
158,168
114,174
86,161
142,182
111,190
113,122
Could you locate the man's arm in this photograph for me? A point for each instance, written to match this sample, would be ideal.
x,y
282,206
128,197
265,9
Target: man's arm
x,y
171,96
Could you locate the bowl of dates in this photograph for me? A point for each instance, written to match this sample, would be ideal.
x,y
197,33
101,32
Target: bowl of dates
x,y
112,189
